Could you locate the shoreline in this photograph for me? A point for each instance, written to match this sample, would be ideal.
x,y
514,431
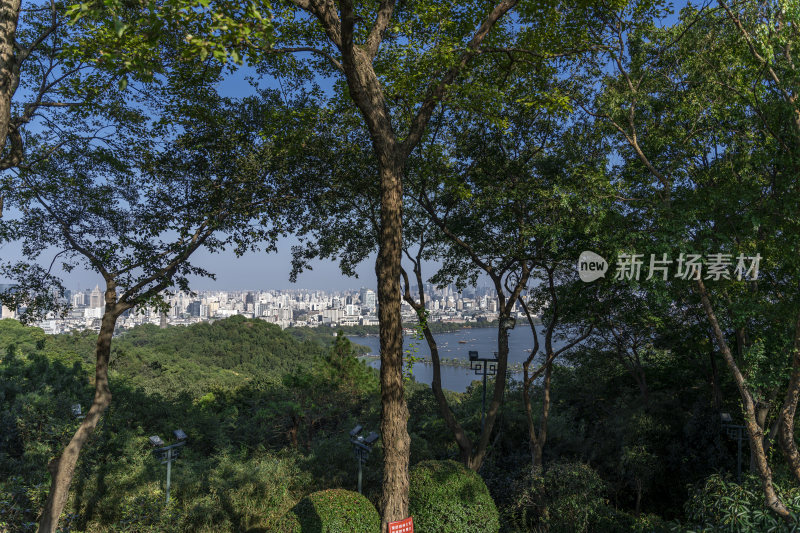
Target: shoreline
x,y
456,362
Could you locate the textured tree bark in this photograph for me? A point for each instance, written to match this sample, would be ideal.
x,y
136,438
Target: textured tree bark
x,y
715,389
526,400
754,431
789,409
367,93
538,447
9,69
493,409
62,468
762,411
394,412
462,440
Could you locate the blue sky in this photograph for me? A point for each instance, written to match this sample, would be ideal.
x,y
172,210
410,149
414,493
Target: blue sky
x,y
251,271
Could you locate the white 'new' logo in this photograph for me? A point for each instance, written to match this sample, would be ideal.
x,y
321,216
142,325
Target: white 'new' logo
x,y
591,266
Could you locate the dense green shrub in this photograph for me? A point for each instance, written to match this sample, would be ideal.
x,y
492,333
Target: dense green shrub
x,y
722,505
611,520
568,497
446,497
332,511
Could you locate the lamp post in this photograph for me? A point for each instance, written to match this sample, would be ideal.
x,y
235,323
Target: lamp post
x,y
167,454
734,431
362,446
483,366
77,412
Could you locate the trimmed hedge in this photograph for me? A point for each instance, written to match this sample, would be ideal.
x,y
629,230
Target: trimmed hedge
x,y
447,497
332,511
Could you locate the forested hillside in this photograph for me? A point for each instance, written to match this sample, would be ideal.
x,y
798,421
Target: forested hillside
x,y
268,418
257,415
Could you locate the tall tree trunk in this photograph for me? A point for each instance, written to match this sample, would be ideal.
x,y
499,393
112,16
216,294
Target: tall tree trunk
x,y
493,409
394,412
715,388
789,408
641,380
754,431
462,440
640,376
538,448
9,69
762,411
62,468
532,437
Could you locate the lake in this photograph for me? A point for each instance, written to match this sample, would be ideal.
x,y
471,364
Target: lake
x,y
457,345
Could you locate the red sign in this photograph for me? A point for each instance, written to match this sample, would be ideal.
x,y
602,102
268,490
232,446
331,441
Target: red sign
x,y
403,526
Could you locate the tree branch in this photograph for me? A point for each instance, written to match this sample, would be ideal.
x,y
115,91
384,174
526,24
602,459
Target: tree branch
x,y
382,20
436,93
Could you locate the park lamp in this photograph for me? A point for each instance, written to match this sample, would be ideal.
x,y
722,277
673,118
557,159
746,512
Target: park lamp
x,y
371,438
167,454
77,411
362,446
485,366
734,431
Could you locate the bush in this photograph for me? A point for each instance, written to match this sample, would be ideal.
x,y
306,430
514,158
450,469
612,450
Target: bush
x,y
568,497
332,511
722,505
610,520
446,497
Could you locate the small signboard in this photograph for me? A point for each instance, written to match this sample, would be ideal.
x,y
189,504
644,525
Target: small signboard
x,y
402,526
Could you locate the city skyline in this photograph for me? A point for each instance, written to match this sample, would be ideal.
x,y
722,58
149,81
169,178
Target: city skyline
x,y
284,307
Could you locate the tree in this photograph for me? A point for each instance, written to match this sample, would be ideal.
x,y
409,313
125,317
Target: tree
x,y
710,150
50,65
514,194
19,46
367,58
135,211
391,153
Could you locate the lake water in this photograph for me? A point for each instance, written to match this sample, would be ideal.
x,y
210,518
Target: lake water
x,y
457,345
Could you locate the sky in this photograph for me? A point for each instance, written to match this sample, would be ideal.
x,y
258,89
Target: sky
x,y
251,271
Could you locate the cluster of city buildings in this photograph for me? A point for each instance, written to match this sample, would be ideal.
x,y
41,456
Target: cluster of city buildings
x,y
286,308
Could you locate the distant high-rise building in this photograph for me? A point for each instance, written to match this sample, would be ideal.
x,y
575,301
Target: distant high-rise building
x,y
194,308
5,312
249,299
368,298
96,298
78,300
